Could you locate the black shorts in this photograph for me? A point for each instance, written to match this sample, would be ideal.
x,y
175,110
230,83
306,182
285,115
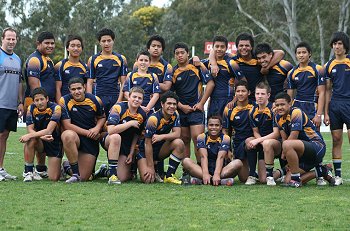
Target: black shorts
x,y
312,156
124,147
217,106
53,149
192,118
8,120
339,114
89,146
156,150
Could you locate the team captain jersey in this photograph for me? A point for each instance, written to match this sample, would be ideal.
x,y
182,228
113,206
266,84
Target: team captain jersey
x,y
120,114
262,119
149,83
277,77
42,68
107,71
221,143
156,124
188,83
83,114
65,70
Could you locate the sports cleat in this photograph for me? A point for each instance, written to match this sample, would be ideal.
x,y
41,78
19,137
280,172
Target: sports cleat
x,y
114,180
251,180
321,181
158,178
36,176
338,181
63,175
28,177
2,178
227,181
101,171
195,181
6,175
74,179
172,179
43,174
293,184
270,181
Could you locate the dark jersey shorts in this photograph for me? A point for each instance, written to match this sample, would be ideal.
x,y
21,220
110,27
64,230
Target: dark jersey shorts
x,y
339,114
8,120
124,148
156,150
217,106
192,118
310,108
89,146
313,155
53,149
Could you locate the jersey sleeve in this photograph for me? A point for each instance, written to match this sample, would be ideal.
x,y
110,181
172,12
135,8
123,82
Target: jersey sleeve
x,y
168,73
156,88
290,81
201,141
235,69
58,74
225,143
56,114
128,83
99,105
151,126
33,67
226,118
177,120
29,115
64,114
204,74
252,119
114,115
124,67
296,120
91,68
320,75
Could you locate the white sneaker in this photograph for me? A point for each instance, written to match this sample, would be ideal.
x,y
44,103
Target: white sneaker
x,y
251,180
338,180
2,178
7,176
270,181
43,174
158,178
321,181
36,176
28,177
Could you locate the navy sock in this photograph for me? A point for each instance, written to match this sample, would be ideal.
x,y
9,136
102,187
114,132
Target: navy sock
x,y
160,168
295,176
269,170
319,170
41,168
75,168
252,157
28,167
337,167
173,164
112,167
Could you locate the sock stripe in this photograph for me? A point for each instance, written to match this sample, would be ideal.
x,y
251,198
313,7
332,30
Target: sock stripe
x,y
175,158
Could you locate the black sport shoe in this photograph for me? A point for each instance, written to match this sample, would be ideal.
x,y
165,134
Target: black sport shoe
x,y
293,184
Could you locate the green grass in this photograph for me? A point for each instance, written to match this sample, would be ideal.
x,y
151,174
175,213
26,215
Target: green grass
x,y
135,206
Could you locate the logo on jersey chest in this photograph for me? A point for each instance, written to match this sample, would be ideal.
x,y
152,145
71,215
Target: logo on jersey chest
x,y
99,65
67,71
237,117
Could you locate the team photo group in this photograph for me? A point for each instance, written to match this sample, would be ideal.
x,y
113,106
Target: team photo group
x,y
223,119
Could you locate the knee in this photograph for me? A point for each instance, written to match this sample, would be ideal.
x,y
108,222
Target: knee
x,y
54,177
186,163
286,146
68,136
115,139
337,140
179,145
267,144
4,135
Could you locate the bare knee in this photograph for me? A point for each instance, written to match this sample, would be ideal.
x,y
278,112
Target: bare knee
x,y
179,145
68,136
114,139
186,163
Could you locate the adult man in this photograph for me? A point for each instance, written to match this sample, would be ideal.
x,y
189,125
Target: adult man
x,y
43,118
124,125
277,74
265,138
188,83
71,66
159,144
109,69
247,62
303,146
83,118
306,84
229,72
212,146
40,72
11,96
237,119
337,104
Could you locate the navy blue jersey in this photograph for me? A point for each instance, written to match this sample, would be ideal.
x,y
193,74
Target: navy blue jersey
x,y
221,143
262,119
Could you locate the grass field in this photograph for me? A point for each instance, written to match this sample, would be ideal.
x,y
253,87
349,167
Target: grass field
x,y
135,206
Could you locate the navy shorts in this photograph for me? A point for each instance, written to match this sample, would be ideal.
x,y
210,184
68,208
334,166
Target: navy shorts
x,y
339,114
156,150
310,108
124,147
8,120
53,149
312,156
217,106
193,118
108,102
89,146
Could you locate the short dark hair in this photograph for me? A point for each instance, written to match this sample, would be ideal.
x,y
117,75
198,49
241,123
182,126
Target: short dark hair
x,y
242,83
169,94
303,44
143,53
215,117
75,80
263,48
264,85
8,29
45,35
340,36
39,91
181,45
158,38
103,32
220,38
74,37
245,36
283,95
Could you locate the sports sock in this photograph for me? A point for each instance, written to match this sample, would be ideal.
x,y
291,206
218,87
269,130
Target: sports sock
x,y
269,170
319,170
75,168
160,168
295,176
173,164
252,157
41,168
337,167
112,167
28,167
